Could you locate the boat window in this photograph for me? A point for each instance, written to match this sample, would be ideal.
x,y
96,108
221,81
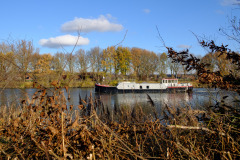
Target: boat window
x,y
140,87
147,87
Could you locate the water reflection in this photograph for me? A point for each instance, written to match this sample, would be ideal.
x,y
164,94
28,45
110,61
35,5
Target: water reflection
x,y
199,97
159,99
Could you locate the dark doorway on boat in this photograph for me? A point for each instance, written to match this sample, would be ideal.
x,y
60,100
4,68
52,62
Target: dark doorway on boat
x,y
140,87
147,87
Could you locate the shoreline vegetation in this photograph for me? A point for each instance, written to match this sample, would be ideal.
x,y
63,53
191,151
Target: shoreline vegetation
x,y
88,83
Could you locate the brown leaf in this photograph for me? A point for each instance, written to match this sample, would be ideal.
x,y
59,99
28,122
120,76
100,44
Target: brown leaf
x,y
54,83
34,84
80,106
53,130
66,87
44,92
42,100
71,107
74,124
84,101
64,107
39,87
42,114
16,122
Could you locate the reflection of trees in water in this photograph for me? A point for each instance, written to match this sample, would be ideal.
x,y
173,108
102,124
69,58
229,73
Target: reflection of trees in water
x,y
158,98
10,96
132,101
13,97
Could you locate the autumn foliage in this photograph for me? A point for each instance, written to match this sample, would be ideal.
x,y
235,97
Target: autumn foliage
x,y
219,77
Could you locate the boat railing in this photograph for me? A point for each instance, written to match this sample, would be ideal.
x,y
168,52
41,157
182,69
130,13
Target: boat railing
x,y
185,84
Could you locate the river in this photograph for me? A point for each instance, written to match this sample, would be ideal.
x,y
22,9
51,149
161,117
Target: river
x,y
197,99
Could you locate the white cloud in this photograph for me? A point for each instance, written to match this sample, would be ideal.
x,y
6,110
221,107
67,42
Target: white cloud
x,y
61,41
229,2
101,24
184,46
146,10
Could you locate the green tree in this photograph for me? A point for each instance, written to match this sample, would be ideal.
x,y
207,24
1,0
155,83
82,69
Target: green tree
x,y
34,60
209,60
44,63
149,63
136,61
218,62
108,59
123,58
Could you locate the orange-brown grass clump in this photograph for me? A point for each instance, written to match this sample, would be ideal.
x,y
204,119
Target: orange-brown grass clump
x,y
45,127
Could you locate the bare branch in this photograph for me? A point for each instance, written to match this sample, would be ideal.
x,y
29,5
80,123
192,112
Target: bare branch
x,y
121,40
160,37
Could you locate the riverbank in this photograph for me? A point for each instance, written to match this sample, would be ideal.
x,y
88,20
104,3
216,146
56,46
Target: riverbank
x,y
72,84
79,84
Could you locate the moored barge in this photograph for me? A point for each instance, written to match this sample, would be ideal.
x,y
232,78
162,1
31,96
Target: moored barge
x,y
167,85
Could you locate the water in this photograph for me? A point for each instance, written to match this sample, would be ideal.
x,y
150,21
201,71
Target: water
x,y
198,98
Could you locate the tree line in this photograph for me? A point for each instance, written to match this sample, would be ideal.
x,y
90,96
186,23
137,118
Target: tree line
x,y
21,58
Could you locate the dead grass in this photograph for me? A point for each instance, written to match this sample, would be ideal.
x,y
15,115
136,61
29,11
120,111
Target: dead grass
x,y
44,127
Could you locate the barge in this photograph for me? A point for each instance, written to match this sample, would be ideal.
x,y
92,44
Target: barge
x,y
167,85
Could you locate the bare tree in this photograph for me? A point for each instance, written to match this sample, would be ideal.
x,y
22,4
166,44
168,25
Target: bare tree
x,y
59,62
95,58
162,65
24,51
82,61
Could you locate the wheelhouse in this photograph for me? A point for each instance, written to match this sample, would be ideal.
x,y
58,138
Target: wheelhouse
x,y
170,80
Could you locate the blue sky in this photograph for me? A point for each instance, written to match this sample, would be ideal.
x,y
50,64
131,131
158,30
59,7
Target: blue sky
x,y
51,24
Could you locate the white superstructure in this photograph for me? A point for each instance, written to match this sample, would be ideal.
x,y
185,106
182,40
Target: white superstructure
x,y
166,83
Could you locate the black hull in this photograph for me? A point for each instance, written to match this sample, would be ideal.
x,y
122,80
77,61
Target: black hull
x,y
114,90
103,89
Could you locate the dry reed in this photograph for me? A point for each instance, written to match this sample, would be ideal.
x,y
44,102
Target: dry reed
x,y
44,127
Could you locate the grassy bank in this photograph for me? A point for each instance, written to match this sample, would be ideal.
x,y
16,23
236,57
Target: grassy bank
x,y
88,83
74,81
82,84
44,127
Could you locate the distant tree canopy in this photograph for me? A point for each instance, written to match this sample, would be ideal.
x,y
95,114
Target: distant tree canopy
x,y
21,58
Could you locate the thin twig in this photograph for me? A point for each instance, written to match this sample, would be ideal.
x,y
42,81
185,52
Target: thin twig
x,y
121,40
